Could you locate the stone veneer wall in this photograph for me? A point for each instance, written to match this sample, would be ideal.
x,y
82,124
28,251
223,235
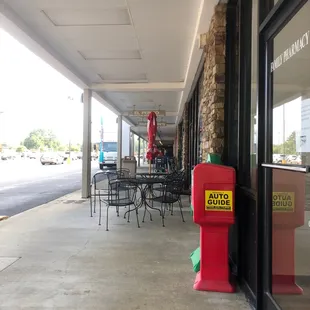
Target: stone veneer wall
x,y
213,89
211,92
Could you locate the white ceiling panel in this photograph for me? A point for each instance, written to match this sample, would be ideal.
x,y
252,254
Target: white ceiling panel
x,y
110,54
96,38
167,101
176,62
166,43
77,4
87,17
123,77
126,67
157,97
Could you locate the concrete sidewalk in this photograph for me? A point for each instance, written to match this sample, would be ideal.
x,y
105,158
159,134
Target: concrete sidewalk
x,y
56,257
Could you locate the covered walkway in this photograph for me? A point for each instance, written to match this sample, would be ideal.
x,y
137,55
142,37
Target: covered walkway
x,y
57,257
133,56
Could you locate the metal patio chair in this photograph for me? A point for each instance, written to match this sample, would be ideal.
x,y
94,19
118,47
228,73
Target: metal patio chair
x,y
97,189
121,193
170,195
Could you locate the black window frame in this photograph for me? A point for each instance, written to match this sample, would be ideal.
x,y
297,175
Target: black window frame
x,y
244,95
193,122
272,20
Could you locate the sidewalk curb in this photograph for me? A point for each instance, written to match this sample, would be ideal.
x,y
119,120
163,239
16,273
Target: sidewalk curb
x,y
41,206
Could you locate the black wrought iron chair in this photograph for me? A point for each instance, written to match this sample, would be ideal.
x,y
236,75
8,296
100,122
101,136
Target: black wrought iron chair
x,y
170,194
181,176
122,193
176,175
97,189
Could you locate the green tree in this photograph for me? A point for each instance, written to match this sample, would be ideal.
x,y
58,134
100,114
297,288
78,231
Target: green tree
x,y
50,140
41,139
35,140
288,147
21,149
75,148
62,148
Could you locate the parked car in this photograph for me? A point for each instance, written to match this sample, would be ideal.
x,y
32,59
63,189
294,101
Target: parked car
x,y
33,155
7,156
279,158
72,155
294,159
51,159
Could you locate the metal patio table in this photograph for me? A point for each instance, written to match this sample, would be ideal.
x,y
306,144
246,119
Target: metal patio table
x,y
145,185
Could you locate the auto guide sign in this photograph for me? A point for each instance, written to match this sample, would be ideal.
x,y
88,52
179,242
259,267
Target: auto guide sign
x,y
291,51
283,201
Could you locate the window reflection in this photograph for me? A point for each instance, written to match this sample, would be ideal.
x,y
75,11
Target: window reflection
x,y
290,235
291,145
254,103
291,91
291,124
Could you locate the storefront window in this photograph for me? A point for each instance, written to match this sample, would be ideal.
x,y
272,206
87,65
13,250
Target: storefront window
x,y
290,72
254,110
291,91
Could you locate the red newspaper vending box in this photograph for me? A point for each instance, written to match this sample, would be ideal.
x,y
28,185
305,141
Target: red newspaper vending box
x,y
288,204
213,194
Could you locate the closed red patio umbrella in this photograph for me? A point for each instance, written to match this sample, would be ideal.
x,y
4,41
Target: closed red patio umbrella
x,y
151,132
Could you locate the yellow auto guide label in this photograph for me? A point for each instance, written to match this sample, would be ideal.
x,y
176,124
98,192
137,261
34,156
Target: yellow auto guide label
x,y
218,200
283,201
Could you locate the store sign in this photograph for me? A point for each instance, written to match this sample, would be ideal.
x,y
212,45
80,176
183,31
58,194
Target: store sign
x,y
291,51
146,113
159,124
283,201
218,200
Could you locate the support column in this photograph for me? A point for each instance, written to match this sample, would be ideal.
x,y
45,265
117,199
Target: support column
x,y
132,144
86,158
119,141
139,151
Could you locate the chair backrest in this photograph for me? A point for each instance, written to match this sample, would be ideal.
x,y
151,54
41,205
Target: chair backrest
x,y
176,175
98,177
173,189
112,175
117,188
113,187
123,173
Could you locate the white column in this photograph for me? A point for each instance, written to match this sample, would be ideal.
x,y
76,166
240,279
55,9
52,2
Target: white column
x,y
119,141
132,144
139,151
86,161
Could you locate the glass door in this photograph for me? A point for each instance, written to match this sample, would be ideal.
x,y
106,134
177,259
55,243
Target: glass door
x,y
284,139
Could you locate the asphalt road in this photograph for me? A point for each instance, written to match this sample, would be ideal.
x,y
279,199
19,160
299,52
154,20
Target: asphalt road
x,y
25,184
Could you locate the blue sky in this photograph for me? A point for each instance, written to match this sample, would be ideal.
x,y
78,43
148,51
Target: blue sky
x,y
34,95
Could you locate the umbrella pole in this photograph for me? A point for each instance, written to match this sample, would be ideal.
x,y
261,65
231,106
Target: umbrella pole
x,y
150,168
